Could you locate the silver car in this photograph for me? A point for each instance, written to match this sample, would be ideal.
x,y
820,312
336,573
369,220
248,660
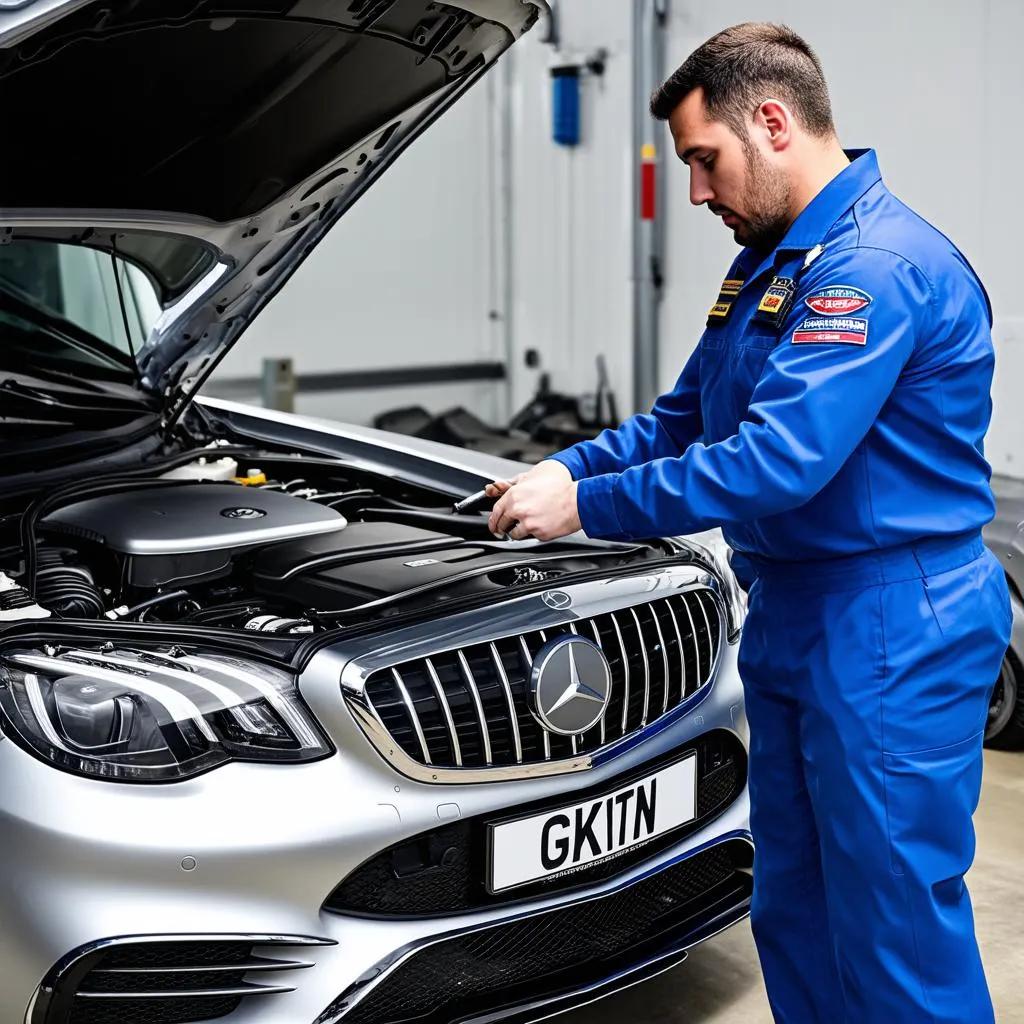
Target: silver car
x,y
285,735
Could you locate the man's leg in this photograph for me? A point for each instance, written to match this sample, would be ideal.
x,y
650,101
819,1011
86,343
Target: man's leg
x,y
788,913
896,687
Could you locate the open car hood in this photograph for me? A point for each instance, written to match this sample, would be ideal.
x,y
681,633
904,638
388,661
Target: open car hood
x,y
211,145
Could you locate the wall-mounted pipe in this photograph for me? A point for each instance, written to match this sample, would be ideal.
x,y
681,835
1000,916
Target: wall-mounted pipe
x,y
649,30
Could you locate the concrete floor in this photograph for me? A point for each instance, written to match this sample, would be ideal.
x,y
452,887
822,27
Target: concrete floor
x,y
721,982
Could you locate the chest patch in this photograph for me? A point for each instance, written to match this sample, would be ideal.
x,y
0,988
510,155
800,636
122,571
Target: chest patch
x,y
836,330
838,300
776,301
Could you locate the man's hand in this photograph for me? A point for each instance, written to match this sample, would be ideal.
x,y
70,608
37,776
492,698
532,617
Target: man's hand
x,y
540,503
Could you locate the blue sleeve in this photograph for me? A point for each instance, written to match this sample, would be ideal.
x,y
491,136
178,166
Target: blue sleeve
x,y
818,396
668,430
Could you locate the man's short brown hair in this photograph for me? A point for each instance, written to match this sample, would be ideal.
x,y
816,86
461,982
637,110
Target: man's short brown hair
x,y
741,67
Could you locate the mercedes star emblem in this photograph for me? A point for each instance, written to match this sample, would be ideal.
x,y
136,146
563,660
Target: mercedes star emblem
x,y
571,685
557,599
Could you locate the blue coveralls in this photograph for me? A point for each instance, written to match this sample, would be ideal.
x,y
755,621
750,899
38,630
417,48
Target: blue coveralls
x,y
831,422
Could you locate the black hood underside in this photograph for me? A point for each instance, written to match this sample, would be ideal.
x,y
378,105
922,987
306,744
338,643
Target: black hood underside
x,y
215,109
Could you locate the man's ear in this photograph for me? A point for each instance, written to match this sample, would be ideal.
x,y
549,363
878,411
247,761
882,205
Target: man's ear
x,y
775,121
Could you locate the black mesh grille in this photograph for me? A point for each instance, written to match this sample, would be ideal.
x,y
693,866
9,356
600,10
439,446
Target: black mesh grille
x,y
151,1011
171,981
660,653
549,953
177,954
444,871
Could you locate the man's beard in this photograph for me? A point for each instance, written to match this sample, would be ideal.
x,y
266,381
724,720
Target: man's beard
x,y
767,197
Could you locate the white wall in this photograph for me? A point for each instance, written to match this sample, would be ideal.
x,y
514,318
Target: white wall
x,y
414,271
570,209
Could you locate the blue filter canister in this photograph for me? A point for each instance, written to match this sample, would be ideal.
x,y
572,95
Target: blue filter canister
x,y
565,104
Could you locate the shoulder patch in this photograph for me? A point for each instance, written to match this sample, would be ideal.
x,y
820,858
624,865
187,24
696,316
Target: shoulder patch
x,y
836,330
838,300
722,309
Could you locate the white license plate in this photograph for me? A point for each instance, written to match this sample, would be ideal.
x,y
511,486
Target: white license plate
x,y
566,840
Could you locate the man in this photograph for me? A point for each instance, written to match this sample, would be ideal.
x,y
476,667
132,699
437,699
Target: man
x,y
831,421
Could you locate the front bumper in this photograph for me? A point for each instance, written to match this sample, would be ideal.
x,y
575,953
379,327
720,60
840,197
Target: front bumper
x,y
250,854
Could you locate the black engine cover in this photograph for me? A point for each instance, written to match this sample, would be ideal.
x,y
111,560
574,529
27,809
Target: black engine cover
x,y
375,561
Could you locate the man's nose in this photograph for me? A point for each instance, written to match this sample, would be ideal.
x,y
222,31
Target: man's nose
x,y
700,191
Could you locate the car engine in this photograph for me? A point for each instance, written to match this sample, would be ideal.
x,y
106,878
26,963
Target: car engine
x,y
249,544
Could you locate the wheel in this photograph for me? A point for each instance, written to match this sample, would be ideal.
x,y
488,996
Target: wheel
x,y
1005,727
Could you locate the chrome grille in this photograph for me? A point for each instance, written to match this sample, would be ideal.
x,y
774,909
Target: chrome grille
x,y
470,707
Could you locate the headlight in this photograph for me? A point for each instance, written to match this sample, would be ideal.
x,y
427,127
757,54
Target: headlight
x,y
713,550
152,715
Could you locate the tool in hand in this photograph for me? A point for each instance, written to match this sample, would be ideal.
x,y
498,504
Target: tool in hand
x,y
473,499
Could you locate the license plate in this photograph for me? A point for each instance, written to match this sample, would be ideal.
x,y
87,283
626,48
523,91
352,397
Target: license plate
x,y
574,837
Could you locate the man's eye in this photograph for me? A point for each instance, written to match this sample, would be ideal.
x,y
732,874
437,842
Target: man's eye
x,y
708,162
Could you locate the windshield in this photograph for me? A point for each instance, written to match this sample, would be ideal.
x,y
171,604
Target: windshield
x,y
60,303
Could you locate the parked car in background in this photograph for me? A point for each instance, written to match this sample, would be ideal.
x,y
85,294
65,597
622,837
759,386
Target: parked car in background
x,y
1005,536
284,735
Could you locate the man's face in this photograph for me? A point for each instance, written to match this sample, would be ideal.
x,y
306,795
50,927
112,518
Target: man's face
x,y
738,182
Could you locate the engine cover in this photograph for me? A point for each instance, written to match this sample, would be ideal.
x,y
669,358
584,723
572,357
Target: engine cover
x,y
179,518
186,531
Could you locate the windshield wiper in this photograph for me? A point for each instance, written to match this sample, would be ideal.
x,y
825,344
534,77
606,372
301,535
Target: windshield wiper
x,y
12,386
16,397
11,301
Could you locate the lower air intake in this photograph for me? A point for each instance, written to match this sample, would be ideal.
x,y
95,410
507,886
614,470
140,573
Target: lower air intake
x,y
552,953
167,981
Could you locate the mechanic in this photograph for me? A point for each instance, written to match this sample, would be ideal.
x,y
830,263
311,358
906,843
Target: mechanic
x,y
831,422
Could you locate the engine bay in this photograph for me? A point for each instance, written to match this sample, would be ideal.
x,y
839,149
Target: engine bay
x,y
269,542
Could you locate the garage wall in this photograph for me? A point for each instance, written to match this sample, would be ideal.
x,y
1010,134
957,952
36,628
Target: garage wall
x,y
572,254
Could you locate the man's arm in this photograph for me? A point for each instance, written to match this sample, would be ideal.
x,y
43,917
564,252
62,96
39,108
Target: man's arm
x,y
814,404
673,425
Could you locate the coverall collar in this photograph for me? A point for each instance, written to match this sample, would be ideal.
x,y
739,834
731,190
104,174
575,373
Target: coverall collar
x,y
819,216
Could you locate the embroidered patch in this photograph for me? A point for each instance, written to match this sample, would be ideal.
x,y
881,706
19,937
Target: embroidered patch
x,y
722,309
838,300
772,300
832,329
776,302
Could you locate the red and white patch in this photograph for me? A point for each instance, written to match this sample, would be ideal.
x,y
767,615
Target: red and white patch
x,y
832,330
838,300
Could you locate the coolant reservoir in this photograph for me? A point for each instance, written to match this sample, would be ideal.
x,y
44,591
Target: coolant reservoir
x,y
205,469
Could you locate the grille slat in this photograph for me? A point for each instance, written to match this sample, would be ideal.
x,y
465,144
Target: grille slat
x,y
597,638
707,625
512,714
693,633
625,674
545,734
467,675
471,707
664,661
415,718
680,649
447,711
647,668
